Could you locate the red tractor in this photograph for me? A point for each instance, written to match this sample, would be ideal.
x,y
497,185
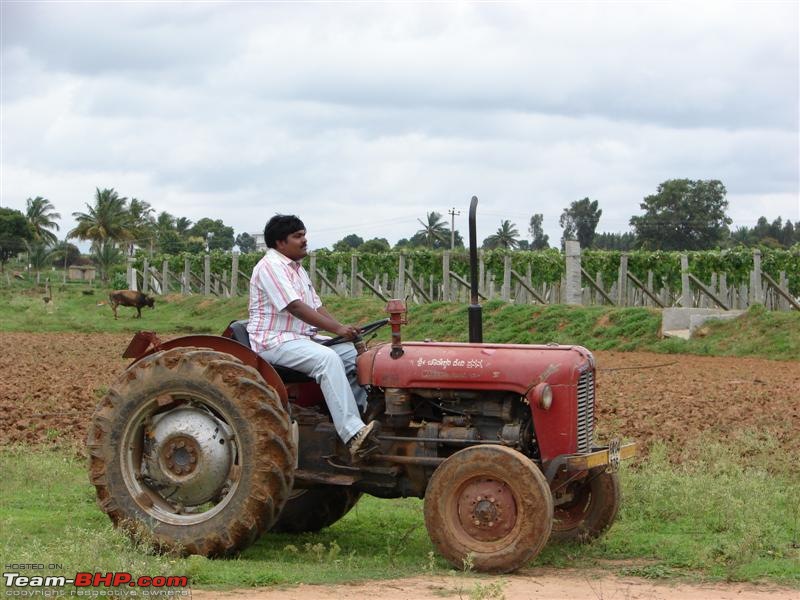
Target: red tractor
x,y
206,446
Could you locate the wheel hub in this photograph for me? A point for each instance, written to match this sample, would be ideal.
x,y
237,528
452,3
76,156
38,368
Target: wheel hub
x,y
189,455
179,455
486,509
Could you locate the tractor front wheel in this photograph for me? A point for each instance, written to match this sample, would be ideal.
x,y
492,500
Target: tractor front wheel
x,y
488,508
592,510
191,451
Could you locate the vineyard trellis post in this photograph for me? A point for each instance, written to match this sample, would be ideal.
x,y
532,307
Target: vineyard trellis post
x,y
622,281
353,273
186,284
131,274
146,276
164,277
572,255
207,275
446,276
235,274
686,290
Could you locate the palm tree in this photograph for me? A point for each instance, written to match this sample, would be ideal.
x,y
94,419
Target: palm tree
x,y
141,224
107,220
38,256
434,230
105,255
63,251
41,214
505,237
182,226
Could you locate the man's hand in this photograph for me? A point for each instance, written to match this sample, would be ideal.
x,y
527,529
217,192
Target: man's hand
x,y
348,332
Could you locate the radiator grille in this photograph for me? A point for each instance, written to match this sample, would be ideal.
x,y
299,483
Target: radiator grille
x,y
585,411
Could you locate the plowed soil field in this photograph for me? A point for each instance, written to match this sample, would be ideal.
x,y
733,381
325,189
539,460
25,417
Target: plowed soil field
x,y
50,384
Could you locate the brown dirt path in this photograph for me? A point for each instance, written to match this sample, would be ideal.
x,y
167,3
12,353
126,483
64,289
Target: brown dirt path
x,y
533,584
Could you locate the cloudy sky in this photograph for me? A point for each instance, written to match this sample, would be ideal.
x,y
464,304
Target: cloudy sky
x,y
362,117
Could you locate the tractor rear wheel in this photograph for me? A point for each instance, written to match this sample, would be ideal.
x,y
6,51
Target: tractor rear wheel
x,y
591,511
488,508
312,509
191,451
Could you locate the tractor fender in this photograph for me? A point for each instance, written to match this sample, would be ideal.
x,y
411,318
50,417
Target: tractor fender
x,y
146,343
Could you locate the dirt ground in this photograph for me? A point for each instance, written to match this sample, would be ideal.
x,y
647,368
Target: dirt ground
x,y
50,384
532,584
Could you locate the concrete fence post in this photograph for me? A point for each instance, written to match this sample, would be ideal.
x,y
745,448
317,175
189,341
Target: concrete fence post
x,y
235,274
131,275
481,273
446,276
312,270
572,255
165,278
505,292
686,290
756,289
401,276
187,278
207,275
783,282
353,271
622,281
145,276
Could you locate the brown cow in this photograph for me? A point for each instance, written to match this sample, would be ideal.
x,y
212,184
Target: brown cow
x,y
130,298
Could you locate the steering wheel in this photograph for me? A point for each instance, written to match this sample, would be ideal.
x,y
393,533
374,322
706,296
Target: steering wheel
x,y
365,330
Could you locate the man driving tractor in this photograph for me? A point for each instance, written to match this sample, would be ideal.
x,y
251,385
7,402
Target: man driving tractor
x,y
285,314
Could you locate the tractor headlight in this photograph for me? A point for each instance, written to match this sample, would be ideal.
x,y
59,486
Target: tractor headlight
x,y
543,395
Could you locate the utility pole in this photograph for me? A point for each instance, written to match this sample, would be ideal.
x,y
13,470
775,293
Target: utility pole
x,y
453,212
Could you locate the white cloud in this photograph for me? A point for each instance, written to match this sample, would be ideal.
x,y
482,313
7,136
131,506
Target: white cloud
x,y
363,117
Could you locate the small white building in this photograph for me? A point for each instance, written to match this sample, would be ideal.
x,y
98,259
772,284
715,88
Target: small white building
x,y
82,273
261,245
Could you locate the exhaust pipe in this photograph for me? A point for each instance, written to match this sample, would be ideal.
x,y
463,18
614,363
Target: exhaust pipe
x,y
475,311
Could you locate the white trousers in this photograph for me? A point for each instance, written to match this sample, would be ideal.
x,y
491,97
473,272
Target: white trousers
x,y
334,369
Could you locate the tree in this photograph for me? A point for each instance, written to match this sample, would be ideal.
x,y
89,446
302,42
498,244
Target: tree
x,y
107,220
38,256
348,243
683,215
539,240
222,238
170,242
614,241
246,242
14,232
182,226
505,236
105,255
41,214
579,221
141,225
375,245
434,230
64,254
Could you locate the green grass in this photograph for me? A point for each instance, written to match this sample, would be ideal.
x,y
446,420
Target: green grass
x,y
717,516
762,333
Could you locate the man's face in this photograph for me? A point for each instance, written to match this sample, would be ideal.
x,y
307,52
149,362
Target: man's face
x,y
294,246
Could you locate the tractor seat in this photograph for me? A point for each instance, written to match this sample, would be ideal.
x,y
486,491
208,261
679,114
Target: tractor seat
x,y
239,333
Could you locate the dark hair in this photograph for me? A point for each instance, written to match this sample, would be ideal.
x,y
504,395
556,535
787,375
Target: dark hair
x,y
280,227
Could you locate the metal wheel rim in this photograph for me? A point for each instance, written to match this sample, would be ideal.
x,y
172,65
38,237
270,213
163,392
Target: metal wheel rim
x,y
573,513
150,500
456,518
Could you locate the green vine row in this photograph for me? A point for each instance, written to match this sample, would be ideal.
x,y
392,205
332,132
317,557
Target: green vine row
x,y
546,266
